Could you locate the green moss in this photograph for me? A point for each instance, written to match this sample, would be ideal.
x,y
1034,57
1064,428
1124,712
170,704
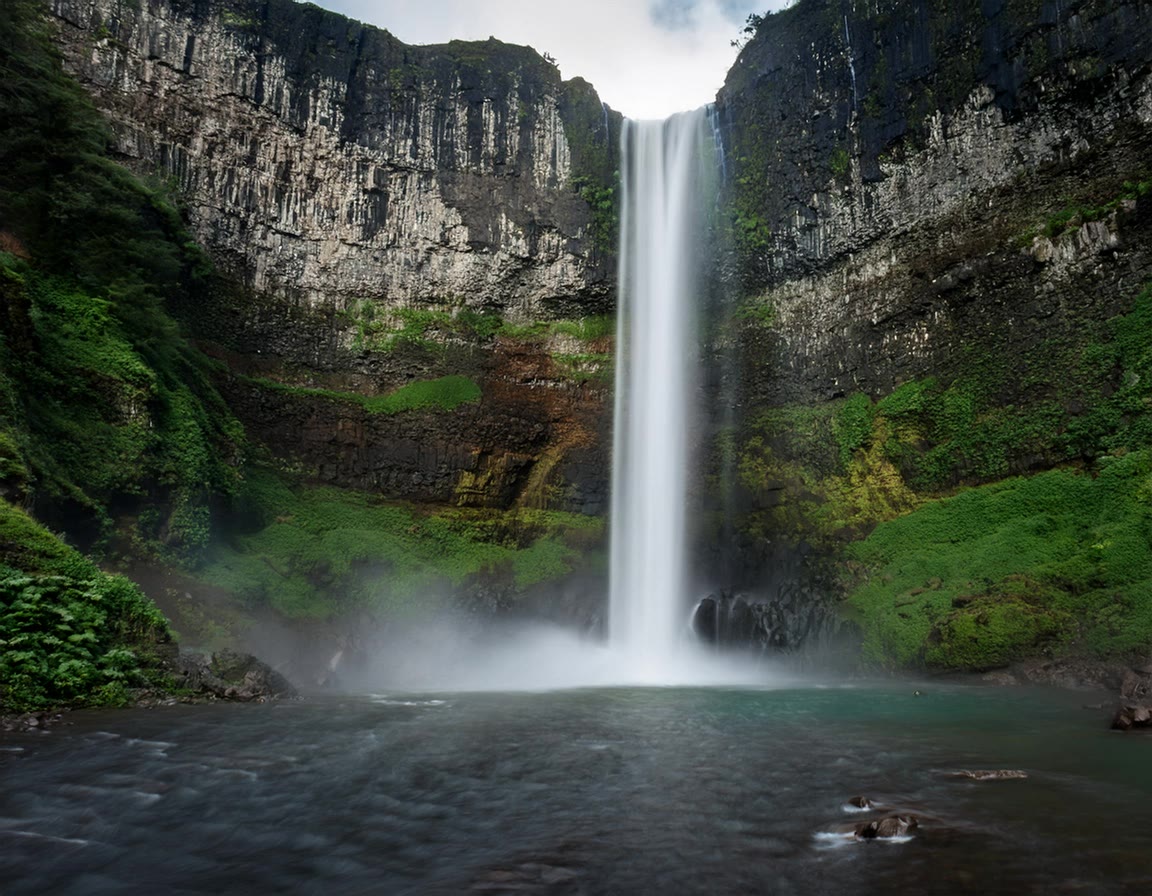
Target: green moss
x,y
1073,214
853,426
604,228
316,552
105,402
756,311
99,414
839,162
1029,564
546,558
586,329
445,393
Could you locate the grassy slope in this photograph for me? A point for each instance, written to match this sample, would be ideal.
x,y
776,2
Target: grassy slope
x,y
948,573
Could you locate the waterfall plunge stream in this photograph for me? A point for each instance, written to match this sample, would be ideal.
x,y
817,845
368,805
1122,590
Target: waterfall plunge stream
x,y
665,172
670,174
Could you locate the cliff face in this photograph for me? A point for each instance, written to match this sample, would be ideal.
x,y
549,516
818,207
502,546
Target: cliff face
x,y
326,162
383,214
897,164
943,224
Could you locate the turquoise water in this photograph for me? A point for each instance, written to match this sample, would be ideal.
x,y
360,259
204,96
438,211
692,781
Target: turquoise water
x,y
586,791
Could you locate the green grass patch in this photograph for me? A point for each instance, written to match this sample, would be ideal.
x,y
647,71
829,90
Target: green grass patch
x,y
1027,565
445,393
1074,215
316,552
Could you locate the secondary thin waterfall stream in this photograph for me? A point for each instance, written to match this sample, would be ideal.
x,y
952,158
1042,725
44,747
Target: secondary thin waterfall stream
x,y
662,231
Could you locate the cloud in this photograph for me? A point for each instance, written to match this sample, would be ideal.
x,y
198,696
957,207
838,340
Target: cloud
x,y
646,58
675,15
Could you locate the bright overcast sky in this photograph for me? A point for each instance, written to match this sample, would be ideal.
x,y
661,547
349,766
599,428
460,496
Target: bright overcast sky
x,y
646,58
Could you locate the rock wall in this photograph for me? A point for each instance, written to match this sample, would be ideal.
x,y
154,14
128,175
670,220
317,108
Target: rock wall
x,y
326,162
378,212
895,164
948,197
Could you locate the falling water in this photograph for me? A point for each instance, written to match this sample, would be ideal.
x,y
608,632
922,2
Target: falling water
x,y
666,170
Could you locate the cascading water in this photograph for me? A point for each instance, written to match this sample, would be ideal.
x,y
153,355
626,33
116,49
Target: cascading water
x,y
666,174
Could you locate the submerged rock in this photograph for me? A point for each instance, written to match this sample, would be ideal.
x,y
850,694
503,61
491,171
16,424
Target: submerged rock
x,y
1001,774
886,828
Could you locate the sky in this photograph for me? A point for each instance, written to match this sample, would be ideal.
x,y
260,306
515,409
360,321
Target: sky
x,y
646,58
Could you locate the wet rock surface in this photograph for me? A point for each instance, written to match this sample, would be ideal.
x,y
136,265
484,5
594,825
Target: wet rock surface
x,y
1130,716
228,675
794,618
886,828
30,721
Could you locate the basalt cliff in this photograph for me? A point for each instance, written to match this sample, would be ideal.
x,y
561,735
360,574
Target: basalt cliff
x,y
941,218
381,215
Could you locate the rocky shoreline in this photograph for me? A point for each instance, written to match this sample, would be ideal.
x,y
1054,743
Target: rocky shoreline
x,y
1130,684
199,678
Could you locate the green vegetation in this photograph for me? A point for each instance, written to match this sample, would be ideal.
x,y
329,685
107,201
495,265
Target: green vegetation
x,y
839,162
585,329
432,328
445,393
1075,214
1053,563
605,227
102,397
103,403
1043,564
593,134
100,409
315,552
69,634
757,312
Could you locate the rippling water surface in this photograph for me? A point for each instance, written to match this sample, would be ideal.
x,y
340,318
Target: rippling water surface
x,y
624,791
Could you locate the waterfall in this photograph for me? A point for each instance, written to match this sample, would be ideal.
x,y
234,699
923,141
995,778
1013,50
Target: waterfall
x,y
666,173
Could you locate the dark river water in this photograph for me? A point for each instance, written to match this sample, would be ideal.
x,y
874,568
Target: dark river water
x,y
659,790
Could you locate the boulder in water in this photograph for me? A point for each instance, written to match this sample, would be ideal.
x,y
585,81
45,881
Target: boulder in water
x,y
886,828
228,675
1132,716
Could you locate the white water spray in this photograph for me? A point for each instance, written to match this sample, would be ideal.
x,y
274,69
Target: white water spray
x,y
665,175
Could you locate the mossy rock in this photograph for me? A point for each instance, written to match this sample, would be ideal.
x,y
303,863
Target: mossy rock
x,y
1009,622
